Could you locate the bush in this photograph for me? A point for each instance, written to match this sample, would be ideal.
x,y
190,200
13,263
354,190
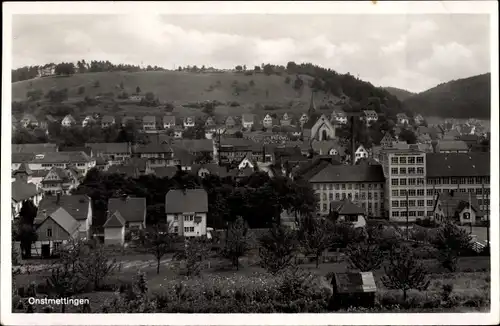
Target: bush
x,y
248,73
81,90
234,104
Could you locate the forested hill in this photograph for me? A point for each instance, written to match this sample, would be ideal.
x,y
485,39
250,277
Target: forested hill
x,y
461,98
401,94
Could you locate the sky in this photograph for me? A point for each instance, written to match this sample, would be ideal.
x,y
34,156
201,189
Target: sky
x,y
413,52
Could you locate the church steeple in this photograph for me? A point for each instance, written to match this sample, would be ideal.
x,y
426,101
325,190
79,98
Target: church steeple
x,y
312,107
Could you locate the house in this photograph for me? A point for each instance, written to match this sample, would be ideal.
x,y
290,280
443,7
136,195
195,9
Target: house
x,y
419,119
23,173
53,231
136,98
189,122
107,121
450,146
246,163
360,153
387,140
402,119
168,121
131,209
210,123
115,153
45,161
22,191
247,120
157,155
79,207
35,148
187,211
181,157
338,116
60,181
88,121
369,116
461,207
320,129
149,123
47,70
267,122
206,169
127,120
286,120
178,131
346,211
303,119
68,121
230,122
29,120
327,147
114,229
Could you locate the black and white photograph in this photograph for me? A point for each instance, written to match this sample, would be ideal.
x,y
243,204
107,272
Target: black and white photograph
x,y
292,162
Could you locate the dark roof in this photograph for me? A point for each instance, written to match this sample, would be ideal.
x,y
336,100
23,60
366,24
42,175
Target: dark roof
x,y
108,147
211,167
23,190
165,172
34,148
349,173
24,168
457,164
127,170
188,200
452,145
115,220
311,121
86,150
76,205
108,119
132,209
63,218
346,207
153,148
61,175
137,162
455,202
183,155
195,145
60,157
361,282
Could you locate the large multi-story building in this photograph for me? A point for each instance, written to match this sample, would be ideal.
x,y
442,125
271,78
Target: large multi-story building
x,y
405,183
363,184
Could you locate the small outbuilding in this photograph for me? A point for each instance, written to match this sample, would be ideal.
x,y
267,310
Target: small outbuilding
x,y
355,289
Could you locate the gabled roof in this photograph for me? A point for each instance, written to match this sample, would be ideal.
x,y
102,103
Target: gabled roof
x,y
24,168
183,155
247,117
323,147
69,117
127,170
60,173
454,202
34,148
64,219
473,164
108,147
108,119
169,119
153,148
188,200
349,173
453,145
22,190
132,209
115,220
127,119
401,116
62,157
346,207
165,172
76,205
194,145
149,119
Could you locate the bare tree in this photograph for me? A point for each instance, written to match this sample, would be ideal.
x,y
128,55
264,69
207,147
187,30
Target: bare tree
x,y
158,241
315,236
405,272
237,241
194,253
277,249
95,266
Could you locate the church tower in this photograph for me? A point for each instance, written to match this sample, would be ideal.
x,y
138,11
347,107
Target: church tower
x,y
312,107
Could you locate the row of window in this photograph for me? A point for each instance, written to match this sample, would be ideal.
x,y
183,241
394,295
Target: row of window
x,y
410,213
187,229
187,218
407,160
409,181
371,206
411,203
411,192
60,165
348,186
454,181
412,170
356,196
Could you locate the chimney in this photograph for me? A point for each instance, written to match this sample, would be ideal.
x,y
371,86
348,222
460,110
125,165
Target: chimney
x,y
452,192
58,198
44,213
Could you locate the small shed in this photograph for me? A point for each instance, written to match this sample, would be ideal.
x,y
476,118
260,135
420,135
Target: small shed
x,y
356,289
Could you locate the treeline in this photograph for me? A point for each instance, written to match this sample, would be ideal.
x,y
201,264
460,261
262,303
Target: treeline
x,y
69,68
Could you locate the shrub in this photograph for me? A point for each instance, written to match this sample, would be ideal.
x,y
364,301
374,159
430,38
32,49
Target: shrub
x,y
234,104
248,73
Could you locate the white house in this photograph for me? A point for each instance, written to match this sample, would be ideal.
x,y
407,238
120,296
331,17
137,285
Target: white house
x,y
370,116
188,122
267,122
460,207
132,209
322,129
107,121
68,121
187,211
347,211
149,123
402,119
360,153
247,120
89,120
303,119
245,163
168,121
114,230
338,116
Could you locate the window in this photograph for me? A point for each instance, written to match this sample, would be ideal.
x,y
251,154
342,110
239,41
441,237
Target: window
x,y
402,203
463,190
349,195
454,181
356,196
479,191
375,205
420,203
411,170
394,182
324,186
411,160
324,196
375,195
394,160
478,180
470,181
330,186
430,192
402,182
394,170
420,160
343,186
402,192
369,186
363,195
343,195
356,186
420,170
49,233
330,196
430,202
402,160
362,186
412,181
403,213
395,203
412,213
420,213
470,190
369,195
411,192
395,193
395,214
349,186
176,218
463,180
411,203
337,196
420,192
402,170
188,218
176,229
324,207
446,181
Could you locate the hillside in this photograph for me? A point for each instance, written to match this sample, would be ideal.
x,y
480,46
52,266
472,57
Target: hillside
x,y
462,98
401,94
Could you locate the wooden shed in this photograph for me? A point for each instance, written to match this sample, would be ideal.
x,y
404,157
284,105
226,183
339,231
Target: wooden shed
x,y
355,289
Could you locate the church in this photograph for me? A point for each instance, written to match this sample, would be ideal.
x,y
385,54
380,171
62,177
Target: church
x,y
318,127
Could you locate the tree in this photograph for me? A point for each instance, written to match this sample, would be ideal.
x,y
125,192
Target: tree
x,y
239,68
238,134
57,96
95,266
196,132
277,249
256,68
26,232
138,89
365,256
81,90
408,136
195,253
450,242
158,241
315,236
268,69
34,94
237,241
62,283
405,272
287,80
121,85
